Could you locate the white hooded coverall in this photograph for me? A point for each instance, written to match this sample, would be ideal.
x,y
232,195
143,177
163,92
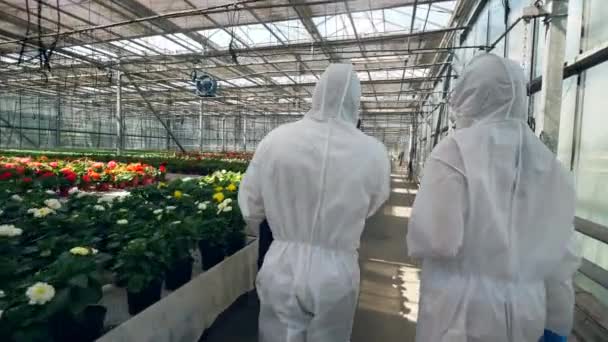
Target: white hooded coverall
x,y
493,220
316,181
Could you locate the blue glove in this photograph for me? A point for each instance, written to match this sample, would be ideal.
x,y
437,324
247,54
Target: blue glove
x,y
550,336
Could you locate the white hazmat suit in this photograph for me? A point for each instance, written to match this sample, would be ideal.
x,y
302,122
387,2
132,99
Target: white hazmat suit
x,y
493,220
316,181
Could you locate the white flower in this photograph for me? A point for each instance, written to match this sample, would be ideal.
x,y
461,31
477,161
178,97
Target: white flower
x,y
200,212
1,212
123,210
51,192
224,206
29,191
80,251
1,312
99,207
159,217
40,293
204,205
75,216
170,207
81,194
73,190
53,203
168,197
41,212
94,251
105,199
2,294
17,198
122,222
10,230
176,222
158,211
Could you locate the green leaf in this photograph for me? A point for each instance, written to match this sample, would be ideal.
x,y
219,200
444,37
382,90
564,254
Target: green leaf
x,y
58,303
80,280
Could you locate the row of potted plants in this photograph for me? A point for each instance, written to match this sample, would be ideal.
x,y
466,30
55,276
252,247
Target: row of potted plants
x,y
28,172
188,163
56,253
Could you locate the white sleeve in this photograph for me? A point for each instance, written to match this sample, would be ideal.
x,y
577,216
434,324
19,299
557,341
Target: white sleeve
x,y
383,189
436,226
251,201
560,291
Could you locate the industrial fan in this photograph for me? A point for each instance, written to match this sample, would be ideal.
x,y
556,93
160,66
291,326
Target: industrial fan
x,y
206,86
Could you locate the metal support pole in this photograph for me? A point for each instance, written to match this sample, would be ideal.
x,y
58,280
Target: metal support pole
x,y
553,71
244,133
57,122
224,134
119,130
200,127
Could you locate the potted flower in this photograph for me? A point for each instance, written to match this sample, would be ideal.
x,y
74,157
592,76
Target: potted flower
x,y
211,243
142,263
181,238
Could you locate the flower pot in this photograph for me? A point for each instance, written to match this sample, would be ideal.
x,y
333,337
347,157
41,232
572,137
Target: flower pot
x,y
86,328
139,301
179,274
236,242
211,255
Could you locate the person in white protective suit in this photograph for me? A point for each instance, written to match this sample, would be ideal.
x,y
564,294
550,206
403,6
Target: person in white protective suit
x,y
493,220
316,181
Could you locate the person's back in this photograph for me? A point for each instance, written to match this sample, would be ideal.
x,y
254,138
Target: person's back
x,y
494,220
315,181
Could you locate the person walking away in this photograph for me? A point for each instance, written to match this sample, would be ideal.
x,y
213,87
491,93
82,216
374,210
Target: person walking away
x,y
316,181
493,220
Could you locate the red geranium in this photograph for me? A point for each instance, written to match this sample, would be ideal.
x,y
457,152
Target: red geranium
x,y
47,174
98,165
162,168
54,165
6,175
70,176
26,180
95,175
86,178
20,170
111,164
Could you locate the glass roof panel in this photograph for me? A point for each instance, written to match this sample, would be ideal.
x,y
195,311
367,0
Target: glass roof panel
x,y
130,47
292,31
218,37
161,44
255,35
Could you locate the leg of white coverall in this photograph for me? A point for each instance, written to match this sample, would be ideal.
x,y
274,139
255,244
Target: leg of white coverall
x,y
334,320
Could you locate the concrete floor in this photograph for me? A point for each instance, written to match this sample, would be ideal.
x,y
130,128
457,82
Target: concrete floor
x,y
388,303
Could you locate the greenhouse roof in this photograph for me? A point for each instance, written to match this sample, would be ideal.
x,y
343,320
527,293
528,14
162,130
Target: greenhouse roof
x,y
265,54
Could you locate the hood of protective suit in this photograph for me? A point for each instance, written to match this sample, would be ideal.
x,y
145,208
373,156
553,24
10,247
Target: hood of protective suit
x,y
337,95
491,89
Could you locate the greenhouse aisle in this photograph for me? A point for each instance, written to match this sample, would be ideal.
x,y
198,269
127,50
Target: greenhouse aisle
x,y
388,303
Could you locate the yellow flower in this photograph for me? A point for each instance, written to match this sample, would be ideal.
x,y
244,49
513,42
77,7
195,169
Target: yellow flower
x,y
231,187
219,189
80,251
178,194
219,197
162,185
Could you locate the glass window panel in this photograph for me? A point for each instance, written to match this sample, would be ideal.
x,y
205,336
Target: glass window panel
x,y
566,122
573,33
592,169
596,29
541,31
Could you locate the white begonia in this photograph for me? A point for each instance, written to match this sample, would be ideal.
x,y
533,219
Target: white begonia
x,y
1,212
159,217
41,212
81,194
94,251
51,192
99,207
176,222
73,190
122,222
224,206
123,210
158,211
17,198
53,203
105,199
2,294
9,230
1,312
204,205
170,207
168,197
40,293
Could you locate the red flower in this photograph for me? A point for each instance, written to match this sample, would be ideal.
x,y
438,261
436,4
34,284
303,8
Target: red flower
x,y
111,164
98,165
162,169
53,164
70,176
20,170
6,175
26,180
86,178
47,174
